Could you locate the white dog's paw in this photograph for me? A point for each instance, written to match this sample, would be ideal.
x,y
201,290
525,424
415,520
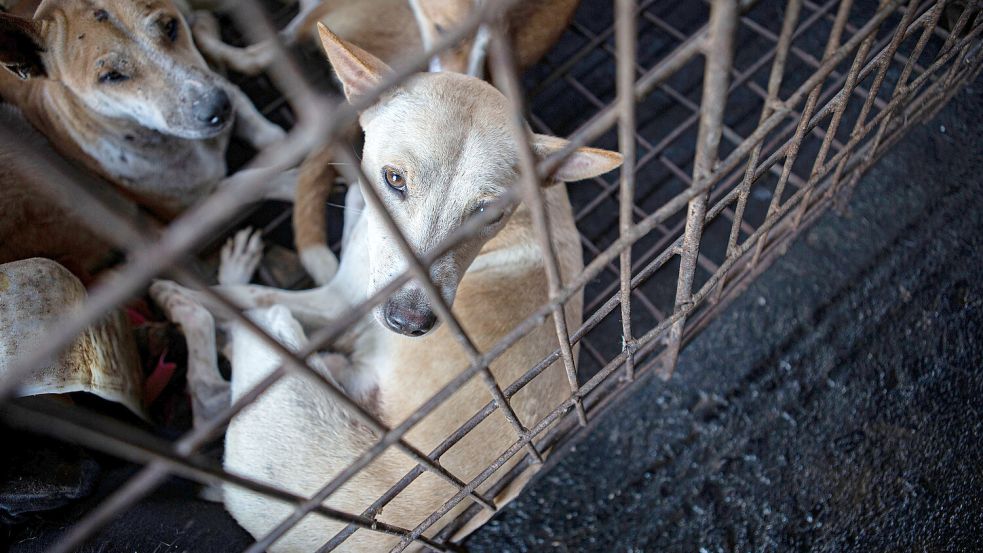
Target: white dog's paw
x,y
176,302
241,255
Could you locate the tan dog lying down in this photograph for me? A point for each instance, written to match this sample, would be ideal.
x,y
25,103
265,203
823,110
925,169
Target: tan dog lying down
x,y
119,88
438,151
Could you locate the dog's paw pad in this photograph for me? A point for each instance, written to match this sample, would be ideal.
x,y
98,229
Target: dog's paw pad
x,y
241,255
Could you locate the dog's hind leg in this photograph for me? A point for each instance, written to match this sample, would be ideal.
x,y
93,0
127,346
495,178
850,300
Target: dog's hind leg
x,y
208,390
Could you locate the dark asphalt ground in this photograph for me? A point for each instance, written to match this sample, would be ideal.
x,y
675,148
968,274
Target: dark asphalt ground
x,y
835,406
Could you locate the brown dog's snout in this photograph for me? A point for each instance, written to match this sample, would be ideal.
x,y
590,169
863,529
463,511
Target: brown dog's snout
x,y
213,108
410,316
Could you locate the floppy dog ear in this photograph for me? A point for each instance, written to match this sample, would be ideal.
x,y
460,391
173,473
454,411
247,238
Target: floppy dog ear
x,y
21,46
583,163
358,70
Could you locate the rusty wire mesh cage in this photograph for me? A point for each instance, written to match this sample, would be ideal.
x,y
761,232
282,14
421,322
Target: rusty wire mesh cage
x,y
740,123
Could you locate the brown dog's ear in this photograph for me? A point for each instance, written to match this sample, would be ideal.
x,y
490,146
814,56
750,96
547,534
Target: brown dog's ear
x,y
583,163
21,46
358,70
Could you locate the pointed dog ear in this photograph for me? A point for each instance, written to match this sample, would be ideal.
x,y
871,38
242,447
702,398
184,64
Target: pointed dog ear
x,y
583,163
21,46
358,70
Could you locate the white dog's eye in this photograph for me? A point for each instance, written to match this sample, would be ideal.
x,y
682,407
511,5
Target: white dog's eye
x,y
394,179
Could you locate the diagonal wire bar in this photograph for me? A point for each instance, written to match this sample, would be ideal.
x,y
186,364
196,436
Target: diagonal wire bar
x,y
901,84
106,434
960,24
116,229
352,167
832,44
506,75
792,10
851,82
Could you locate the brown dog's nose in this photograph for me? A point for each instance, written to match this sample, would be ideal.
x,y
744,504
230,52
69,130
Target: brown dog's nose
x,y
409,321
213,108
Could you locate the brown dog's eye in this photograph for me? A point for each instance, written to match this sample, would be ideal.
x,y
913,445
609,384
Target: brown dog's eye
x,y
170,29
394,179
484,206
112,77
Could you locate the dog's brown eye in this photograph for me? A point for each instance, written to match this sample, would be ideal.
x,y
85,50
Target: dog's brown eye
x,y
394,179
170,28
484,206
112,77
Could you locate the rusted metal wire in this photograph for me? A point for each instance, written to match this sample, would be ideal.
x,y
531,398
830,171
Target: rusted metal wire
x,y
626,37
718,185
720,55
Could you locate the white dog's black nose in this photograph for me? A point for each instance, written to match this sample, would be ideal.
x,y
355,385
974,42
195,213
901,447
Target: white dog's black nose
x,y
213,109
409,321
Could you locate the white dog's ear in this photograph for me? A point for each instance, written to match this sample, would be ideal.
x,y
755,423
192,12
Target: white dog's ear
x,y
583,163
358,70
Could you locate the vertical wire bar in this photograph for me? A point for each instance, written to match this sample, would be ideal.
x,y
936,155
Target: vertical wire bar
x,y
832,44
626,36
506,75
719,51
792,10
843,98
900,88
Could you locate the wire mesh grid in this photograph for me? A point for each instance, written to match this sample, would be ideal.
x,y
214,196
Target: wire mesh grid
x,y
740,123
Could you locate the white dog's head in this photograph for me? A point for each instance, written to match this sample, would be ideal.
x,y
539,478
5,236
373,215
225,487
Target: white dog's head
x,y
438,151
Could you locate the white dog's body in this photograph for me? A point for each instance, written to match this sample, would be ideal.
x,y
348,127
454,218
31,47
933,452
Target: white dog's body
x,y
293,436
438,152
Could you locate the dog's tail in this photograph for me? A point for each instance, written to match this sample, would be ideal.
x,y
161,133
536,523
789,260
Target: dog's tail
x,y
314,183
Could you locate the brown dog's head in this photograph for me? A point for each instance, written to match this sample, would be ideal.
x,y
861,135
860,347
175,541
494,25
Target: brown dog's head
x,y
132,60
